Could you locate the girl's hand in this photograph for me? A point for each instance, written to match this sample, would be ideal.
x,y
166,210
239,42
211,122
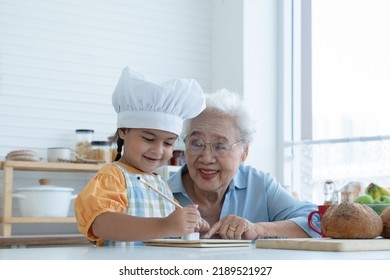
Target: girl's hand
x,y
203,227
183,221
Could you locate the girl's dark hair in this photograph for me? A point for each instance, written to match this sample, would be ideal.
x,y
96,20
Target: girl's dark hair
x,y
119,149
120,143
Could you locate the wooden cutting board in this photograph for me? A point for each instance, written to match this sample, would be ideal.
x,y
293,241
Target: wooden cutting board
x,y
325,244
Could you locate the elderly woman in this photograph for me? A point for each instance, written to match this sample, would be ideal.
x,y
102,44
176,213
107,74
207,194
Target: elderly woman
x,y
237,201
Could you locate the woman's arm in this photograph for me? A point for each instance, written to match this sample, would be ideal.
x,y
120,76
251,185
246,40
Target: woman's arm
x,y
234,227
280,228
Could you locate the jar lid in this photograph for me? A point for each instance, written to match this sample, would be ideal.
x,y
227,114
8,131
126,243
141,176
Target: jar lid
x,y
100,143
85,131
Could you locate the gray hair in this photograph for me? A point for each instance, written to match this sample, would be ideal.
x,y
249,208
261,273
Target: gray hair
x,y
227,103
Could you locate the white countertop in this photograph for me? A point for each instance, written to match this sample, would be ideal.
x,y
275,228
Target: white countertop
x,y
173,253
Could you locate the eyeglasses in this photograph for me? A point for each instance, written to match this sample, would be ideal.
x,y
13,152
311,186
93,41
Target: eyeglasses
x,y
195,146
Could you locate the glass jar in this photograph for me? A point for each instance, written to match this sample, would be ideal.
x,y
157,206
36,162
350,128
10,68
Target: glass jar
x,y
329,192
84,138
114,146
177,158
100,151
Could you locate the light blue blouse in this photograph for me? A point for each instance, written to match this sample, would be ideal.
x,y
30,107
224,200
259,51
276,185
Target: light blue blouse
x,y
257,197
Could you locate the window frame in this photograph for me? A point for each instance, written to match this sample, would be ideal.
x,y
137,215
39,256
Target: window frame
x,y
308,162
296,111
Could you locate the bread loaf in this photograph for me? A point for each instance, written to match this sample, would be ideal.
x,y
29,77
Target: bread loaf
x,y
351,220
385,216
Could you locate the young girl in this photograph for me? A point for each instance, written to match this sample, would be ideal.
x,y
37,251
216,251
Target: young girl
x,y
116,205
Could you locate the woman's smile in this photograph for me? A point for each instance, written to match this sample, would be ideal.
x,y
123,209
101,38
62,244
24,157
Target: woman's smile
x,y
206,173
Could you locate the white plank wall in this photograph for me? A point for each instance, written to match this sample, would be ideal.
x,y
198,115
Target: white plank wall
x,y
60,61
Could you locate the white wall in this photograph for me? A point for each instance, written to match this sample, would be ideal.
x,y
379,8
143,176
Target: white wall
x,y
60,61
245,59
261,79
227,45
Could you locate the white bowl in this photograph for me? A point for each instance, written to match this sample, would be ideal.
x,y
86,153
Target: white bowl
x,y
56,154
44,201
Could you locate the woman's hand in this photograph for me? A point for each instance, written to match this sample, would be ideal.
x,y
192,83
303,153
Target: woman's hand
x,y
234,227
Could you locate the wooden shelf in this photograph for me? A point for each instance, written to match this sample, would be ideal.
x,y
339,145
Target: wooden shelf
x,y
50,166
23,220
9,167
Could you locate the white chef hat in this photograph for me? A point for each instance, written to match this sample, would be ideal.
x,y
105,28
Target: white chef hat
x,y
140,103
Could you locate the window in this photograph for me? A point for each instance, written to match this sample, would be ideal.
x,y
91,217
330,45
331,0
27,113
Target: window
x,y
340,63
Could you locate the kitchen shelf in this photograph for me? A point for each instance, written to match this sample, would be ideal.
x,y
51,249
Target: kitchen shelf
x,y
9,166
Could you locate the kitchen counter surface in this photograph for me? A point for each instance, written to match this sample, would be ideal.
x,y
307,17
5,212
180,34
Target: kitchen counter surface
x,y
172,253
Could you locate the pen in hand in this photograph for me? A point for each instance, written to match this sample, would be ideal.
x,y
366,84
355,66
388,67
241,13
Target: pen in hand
x,y
159,192
162,194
